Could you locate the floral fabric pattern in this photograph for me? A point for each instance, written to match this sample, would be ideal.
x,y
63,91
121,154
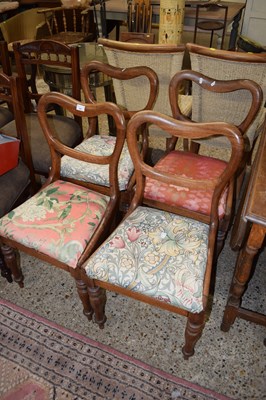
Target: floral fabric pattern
x,y
94,173
188,165
58,221
158,254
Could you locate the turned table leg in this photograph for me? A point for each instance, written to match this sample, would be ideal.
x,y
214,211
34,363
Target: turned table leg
x,y
241,275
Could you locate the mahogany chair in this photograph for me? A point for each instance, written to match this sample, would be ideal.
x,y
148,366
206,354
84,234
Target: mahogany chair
x,y
15,183
193,164
6,113
210,25
104,142
164,255
31,58
165,60
64,222
232,108
69,25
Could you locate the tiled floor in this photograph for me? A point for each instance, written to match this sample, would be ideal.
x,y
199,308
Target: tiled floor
x,y
232,363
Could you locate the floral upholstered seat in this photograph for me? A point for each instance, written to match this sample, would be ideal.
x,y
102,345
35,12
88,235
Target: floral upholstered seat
x,y
143,255
53,221
96,173
192,166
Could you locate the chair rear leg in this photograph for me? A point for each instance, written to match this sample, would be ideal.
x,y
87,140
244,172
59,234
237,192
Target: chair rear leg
x,y
10,259
5,272
98,301
194,328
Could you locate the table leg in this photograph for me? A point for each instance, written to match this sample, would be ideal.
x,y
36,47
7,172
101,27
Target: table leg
x,y
240,279
234,31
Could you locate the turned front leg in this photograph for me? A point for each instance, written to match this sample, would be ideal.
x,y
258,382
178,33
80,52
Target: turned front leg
x,y
194,328
98,301
10,259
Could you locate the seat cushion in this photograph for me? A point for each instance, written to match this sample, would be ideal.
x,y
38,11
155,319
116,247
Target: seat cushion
x,y
58,221
12,185
157,254
5,116
189,165
100,145
68,131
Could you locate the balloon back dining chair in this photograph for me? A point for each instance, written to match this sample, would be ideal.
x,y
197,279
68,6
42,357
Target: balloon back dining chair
x,y
164,255
64,222
193,164
105,141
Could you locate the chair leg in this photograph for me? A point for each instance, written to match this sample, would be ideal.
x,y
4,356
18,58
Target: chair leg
x,y
10,259
83,293
5,272
194,328
98,301
194,147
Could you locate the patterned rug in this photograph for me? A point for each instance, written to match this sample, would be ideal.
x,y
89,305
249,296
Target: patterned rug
x,y
40,360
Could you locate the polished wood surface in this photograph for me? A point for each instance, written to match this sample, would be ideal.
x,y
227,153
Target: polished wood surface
x,y
251,222
117,10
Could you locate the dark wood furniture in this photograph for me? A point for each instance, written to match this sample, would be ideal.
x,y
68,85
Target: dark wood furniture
x,y
208,25
233,16
64,223
6,113
171,160
15,183
117,10
69,25
250,225
30,58
155,255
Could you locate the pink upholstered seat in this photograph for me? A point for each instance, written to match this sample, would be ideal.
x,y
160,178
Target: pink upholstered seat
x,y
55,219
191,166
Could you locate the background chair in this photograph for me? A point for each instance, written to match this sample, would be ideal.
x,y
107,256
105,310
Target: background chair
x,y
15,183
165,60
22,27
30,58
6,113
64,222
160,256
69,25
211,25
196,166
232,108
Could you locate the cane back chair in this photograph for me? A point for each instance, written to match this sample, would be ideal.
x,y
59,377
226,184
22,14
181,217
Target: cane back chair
x,y
165,60
64,222
232,108
163,255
